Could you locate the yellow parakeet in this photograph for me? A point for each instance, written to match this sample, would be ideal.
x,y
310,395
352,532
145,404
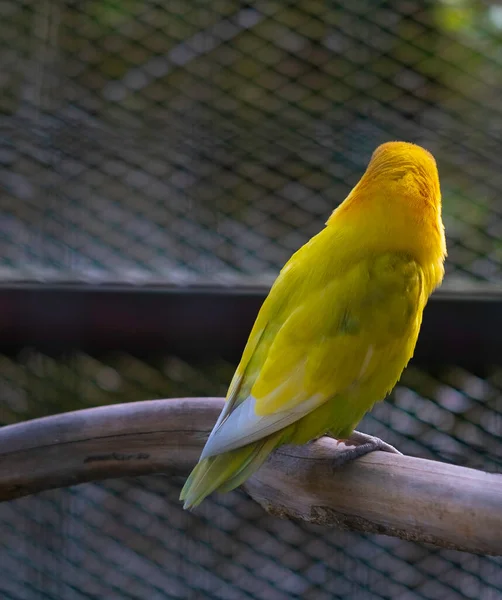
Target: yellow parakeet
x,y
339,324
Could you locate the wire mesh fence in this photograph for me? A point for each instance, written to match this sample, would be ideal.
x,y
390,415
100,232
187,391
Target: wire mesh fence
x,y
130,538
179,142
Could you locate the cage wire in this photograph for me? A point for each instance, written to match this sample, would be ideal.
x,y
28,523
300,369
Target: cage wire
x,y
129,538
203,142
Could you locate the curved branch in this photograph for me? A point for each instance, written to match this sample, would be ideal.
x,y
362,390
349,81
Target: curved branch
x,y
411,498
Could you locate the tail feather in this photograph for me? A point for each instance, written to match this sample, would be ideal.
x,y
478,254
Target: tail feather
x,y
226,471
250,467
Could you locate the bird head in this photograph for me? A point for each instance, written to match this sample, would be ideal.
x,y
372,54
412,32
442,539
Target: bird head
x,y
403,170
396,206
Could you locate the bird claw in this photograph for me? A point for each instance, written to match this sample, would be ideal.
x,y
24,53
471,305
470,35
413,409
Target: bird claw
x,y
358,445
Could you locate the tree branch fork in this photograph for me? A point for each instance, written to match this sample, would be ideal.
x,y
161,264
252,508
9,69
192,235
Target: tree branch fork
x,y
411,498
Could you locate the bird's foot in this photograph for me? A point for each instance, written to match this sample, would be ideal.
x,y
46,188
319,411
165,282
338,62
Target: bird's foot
x,y
357,445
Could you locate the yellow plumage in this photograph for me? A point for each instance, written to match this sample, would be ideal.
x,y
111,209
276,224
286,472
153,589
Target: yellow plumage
x,y
339,324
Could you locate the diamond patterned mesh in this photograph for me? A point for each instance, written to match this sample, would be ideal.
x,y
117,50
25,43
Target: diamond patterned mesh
x,y
174,141
130,539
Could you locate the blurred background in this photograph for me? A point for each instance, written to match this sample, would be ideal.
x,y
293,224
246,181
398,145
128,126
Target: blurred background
x,y
151,147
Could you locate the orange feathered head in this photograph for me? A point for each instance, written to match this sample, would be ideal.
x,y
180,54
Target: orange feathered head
x,y
404,168
396,206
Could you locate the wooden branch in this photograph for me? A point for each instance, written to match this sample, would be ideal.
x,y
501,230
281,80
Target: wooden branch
x,y
411,498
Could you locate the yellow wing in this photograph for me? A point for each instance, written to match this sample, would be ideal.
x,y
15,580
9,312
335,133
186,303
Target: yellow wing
x,y
317,337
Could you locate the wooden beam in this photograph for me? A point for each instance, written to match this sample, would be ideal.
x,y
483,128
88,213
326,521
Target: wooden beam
x,y
408,497
200,322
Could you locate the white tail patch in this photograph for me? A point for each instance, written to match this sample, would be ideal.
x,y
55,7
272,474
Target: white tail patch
x,y
243,426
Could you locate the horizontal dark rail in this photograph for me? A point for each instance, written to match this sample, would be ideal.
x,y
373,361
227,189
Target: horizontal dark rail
x,y
202,322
